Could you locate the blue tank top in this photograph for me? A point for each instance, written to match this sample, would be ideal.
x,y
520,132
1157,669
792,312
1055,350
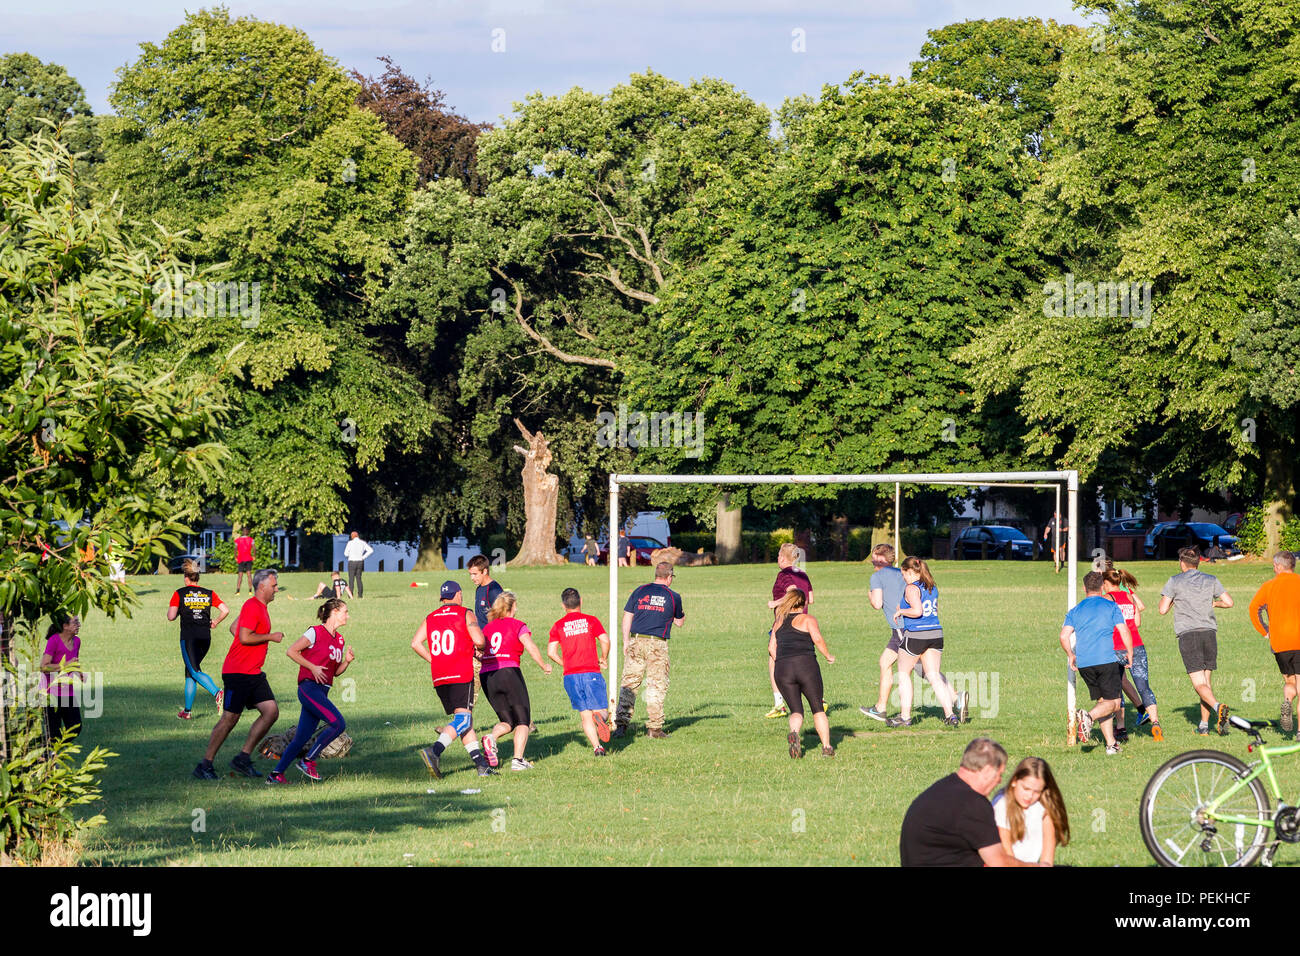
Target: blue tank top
x,y
929,619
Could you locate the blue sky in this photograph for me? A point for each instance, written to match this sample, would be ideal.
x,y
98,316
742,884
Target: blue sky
x,y
550,45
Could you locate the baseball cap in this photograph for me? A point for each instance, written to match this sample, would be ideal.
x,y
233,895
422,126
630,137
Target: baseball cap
x,y
449,589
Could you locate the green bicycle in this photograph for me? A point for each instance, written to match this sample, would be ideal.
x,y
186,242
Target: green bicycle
x,y
1207,808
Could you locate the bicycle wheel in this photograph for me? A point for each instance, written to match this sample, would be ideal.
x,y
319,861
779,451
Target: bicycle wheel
x,y
1174,822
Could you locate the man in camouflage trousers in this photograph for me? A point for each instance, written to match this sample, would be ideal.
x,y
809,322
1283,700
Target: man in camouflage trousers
x,y
648,619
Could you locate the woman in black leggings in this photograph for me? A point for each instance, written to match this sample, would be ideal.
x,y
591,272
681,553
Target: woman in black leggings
x,y
794,643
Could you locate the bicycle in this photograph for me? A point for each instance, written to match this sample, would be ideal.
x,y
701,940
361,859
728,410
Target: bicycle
x,y
1207,808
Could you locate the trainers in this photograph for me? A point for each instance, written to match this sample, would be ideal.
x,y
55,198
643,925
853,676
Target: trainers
x,y
602,729
205,771
486,771
828,750
898,722
219,700
1287,723
872,712
1143,718
309,768
796,745
619,731
657,732
1112,750
490,751
242,763
185,715
1121,735
1157,734
599,751
1222,725
778,710
963,712
275,777
952,720
519,763
431,761
1202,730
1084,720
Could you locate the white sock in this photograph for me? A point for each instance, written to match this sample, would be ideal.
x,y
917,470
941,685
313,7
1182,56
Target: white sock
x,y
777,700
445,740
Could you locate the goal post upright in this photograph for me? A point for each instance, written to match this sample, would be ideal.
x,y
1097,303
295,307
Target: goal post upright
x,y
1025,479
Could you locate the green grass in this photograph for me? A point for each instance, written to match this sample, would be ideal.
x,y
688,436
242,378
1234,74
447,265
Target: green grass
x,y
721,791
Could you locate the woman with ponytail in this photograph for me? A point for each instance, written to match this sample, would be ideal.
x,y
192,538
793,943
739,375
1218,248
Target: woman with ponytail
x,y
793,646
922,641
1121,587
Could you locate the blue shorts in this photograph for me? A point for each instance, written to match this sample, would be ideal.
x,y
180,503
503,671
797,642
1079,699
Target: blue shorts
x,y
587,691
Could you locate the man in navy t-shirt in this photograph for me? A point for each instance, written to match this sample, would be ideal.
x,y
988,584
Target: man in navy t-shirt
x,y
486,591
1092,622
648,619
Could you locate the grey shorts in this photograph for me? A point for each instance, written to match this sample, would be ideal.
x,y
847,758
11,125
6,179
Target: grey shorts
x,y
895,639
1200,650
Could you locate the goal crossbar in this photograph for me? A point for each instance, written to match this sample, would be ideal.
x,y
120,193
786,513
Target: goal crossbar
x,y
1026,479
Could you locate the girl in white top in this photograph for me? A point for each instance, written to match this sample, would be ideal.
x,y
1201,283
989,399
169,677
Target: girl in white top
x,y
1031,815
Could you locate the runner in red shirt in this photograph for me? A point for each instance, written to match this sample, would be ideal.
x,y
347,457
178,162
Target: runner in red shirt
x,y
507,639
584,648
447,639
246,687
1121,587
243,560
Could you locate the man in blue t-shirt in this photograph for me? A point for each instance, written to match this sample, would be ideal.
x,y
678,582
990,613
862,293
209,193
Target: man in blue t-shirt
x,y
1092,622
486,591
648,619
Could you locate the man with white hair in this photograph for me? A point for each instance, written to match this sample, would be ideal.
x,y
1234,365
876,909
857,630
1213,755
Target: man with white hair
x,y
1279,600
355,552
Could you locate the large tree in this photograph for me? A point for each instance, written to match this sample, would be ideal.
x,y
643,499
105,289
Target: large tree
x,y
244,134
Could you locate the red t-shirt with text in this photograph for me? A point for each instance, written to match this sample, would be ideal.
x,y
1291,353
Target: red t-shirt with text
x,y
451,649
248,658
323,649
504,648
577,633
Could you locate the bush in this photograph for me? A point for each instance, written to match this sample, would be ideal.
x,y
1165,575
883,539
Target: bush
x,y
265,554
1252,540
692,541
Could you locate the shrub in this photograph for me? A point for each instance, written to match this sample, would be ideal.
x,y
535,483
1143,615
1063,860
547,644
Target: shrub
x,y
1252,540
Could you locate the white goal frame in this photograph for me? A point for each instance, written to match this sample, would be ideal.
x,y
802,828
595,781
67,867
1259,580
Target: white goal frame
x,y
1031,479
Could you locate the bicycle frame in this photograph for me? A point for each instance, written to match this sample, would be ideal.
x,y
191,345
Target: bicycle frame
x,y
1263,766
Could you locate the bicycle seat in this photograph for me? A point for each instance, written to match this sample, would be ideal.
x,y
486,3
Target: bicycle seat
x,y
1241,723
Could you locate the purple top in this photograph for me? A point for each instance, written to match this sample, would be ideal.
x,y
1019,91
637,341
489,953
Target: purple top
x,y
788,577
59,652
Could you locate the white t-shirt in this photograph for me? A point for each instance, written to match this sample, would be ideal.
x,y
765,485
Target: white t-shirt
x,y
357,550
1030,848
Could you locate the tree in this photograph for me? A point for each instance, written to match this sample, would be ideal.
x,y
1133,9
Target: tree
x,y
1174,129
445,143
247,136
34,95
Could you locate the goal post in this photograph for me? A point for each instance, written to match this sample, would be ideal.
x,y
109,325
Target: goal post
x,y
1039,479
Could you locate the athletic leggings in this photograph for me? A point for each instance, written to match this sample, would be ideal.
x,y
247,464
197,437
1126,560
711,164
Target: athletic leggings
x,y
316,707
1138,674
193,650
799,676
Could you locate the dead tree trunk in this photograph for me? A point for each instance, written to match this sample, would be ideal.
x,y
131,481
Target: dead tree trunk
x,y
541,491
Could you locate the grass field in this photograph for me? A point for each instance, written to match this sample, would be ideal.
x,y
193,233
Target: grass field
x,y
721,791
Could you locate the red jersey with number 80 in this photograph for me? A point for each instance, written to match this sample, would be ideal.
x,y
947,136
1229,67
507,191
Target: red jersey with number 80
x,y
323,649
450,646
504,648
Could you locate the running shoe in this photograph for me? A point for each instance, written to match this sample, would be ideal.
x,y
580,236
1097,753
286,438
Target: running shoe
x,y
778,710
1222,725
796,744
898,722
205,771
490,750
599,751
964,710
275,777
486,771
1287,723
1143,718
241,763
308,767
1085,722
519,763
602,729
185,715
1121,735
1202,730
1112,750
828,750
219,700
431,761
952,720
872,712
1157,734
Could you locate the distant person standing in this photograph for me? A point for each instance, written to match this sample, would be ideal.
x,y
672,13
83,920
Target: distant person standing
x,y
1194,595
1092,622
787,576
626,553
648,618
591,551
59,686
1275,612
194,606
243,559
486,590
355,553
246,686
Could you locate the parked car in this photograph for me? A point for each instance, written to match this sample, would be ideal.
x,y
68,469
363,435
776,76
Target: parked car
x,y
1150,546
1233,522
644,548
1128,526
993,541
205,562
1167,541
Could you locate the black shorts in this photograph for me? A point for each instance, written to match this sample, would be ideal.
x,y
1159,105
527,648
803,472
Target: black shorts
x,y
917,643
1200,650
455,696
798,677
245,691
243,566
508,695
1103,680
1288,662
895,639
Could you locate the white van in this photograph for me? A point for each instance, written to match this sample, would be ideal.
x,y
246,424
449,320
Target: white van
x,y
650,524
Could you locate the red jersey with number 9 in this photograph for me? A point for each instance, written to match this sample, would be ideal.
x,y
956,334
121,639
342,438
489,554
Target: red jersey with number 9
x,y
450,646
503,645
323,649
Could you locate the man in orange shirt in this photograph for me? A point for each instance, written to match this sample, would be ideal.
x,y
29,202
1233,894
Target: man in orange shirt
x,y
1280,599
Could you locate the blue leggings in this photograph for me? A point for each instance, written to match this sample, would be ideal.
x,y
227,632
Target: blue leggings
x,y
192,653
316,707
1138,674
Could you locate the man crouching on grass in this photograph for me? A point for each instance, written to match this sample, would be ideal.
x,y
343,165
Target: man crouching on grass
x,y
1093,621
